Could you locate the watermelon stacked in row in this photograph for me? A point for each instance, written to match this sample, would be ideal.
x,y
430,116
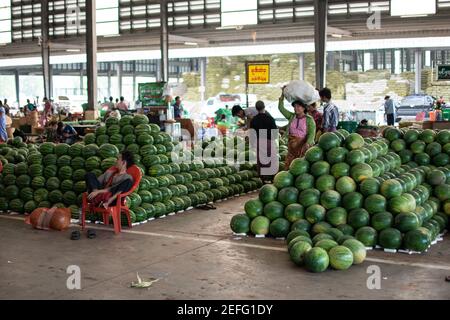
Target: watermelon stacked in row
x,y
53,174
348,188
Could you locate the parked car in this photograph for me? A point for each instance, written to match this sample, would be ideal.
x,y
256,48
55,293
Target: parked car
x,y
411,105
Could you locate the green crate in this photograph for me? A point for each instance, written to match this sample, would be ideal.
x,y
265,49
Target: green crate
x,y
350,126
446,114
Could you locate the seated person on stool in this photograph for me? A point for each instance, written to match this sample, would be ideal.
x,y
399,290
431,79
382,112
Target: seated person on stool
x,y
105,189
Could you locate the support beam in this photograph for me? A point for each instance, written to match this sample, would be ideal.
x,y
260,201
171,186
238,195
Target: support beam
x,y
202,79
16,78
301,66
81,83
119,67
164,43
320,40
408,60
45,49
375,60
354,61
384,59
91,53
392,61
134,81
418,65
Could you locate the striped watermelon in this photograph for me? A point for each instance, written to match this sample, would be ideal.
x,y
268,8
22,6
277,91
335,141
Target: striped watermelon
x,y
89,138
65,173
50,171
47,148
41,195
50,159
64,161
67,185
111,121
56,196
26,194
38,182
77,163
139,119
113,129
52,184
75,150
70,198
129,139
108,151
11,192
108,163
90,150
80,187
102,139
79,175
29,206
61,149
126,120
115,139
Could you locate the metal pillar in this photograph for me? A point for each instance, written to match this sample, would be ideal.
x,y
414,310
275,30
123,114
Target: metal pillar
x,y
320,40
408,60
45,49
134,81
81,83
392,61
384,59
301,66
354,66
16,77
402,65
91,53
109,80
164,43
119,77
375,60
418,65
202,78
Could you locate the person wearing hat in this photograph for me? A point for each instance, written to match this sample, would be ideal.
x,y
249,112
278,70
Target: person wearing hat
x,y
301,129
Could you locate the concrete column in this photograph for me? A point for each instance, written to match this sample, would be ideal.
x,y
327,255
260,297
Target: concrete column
x,y
119,67
392,61
408,60
158,71
402,65
109,80
418,64
164,43
301,66
202,79
384,59
16,78
91,53
354,66
320,40
375,60
134,81
45,49
81,82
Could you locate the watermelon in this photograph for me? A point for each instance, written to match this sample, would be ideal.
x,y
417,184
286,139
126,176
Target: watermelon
x,y
108,151
442,192
382,220
321,236
330,199
240,223
340,169
315,213
354,141
63,148
375,203
260,225
320,227
326,244
392,134
411,136
336,155
90,150
55,196
254,208
441,159
41,195
35,170
390,238
316,260
367,236
288,195
416,240
422,159
341,258
69,198
369,186
279,228
301,225
391,188
274,210
314,154
298,251
80,187
293,234
38,182
355,157
75,150
406,222
361,171
325,183
294,212
352,200
268,193
336,216
283,179
304,181
53,184
358,218
402,204
345,185
427,136
320,168
357,248
16,205
299,166
309,197
47,148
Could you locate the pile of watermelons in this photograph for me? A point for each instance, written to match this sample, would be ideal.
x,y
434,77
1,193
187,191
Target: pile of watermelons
x,y
392,192
51,174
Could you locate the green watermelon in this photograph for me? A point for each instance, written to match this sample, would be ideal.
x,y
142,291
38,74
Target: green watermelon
x,y
345,185
442,192
416,240
274,210
288,195
326,244
406,222
314,154
325,183
358,218
321,236
283,179
391,188
298,251
367,236
309,197
279,228
352,200
354,141
361,171
299,166
330,199
294,212
390,238
340,169
301,225
369,186
304,181
375,203
341,258
63,148
316,260
329,141
315,213
427,136
382,220
320,168
392,134
268,193
254,208
336,155
260,225
336,216
293,234
357,248
240,223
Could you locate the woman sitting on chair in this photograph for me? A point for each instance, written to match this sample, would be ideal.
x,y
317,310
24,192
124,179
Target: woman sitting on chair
x,y
105,189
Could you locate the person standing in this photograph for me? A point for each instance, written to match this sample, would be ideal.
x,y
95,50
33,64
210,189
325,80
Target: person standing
x,y
263,124
318,118
301,129
46,113
177,108
29,107
389,110
3,133
122,105
6,106
330,111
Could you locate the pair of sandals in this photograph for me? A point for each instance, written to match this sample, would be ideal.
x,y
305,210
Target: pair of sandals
x,y
76,235
207,207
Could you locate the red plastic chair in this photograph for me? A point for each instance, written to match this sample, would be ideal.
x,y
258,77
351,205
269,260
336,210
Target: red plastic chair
x,y
116,210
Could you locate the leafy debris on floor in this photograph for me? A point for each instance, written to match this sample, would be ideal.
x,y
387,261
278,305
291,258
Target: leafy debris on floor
x,y
143,284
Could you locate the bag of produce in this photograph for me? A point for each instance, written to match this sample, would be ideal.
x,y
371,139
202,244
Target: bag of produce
x,y
301,90
46,219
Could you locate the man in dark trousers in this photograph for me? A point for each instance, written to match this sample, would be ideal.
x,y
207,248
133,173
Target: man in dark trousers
x,y
389,107
263,124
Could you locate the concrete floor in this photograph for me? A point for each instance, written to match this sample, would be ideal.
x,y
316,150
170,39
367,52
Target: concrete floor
x,y
195,256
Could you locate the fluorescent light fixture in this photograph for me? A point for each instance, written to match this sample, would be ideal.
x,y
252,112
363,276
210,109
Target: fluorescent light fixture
x,y
414,16
188,43
412,7
73,50
111,35
336,35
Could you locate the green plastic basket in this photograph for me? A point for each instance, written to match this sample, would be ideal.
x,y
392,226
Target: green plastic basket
x,y
350,126
446,114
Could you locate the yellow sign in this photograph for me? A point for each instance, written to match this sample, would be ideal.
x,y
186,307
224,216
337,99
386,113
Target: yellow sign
x,y
258,72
